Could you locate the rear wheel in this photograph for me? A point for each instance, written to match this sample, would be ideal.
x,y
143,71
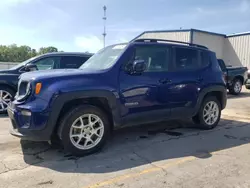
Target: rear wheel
x,y
236,87
85,130
6,96
209,114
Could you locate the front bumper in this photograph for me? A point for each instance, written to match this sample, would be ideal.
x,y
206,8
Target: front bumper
x,y
25,127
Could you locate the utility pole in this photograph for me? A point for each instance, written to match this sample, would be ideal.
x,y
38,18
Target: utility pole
x,y
104,25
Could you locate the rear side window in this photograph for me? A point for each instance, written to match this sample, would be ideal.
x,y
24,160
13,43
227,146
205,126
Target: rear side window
x,y
186,59
204,59
222,64
72,62
214,61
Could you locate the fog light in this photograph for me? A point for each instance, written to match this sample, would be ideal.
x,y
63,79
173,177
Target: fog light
x,y
26,113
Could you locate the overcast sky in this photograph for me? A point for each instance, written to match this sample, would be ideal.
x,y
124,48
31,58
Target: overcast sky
x,y
76,25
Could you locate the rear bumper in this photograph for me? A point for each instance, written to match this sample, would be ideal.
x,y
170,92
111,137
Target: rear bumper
x,y
248,84
224,100
21,130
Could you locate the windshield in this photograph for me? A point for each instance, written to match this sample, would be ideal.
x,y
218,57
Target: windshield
x,y
22,64
105,58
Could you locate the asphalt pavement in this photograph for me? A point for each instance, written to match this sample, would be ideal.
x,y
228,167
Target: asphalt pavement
x,y
167,154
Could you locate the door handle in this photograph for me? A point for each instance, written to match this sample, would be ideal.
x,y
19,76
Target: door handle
x,y
165,81
199,79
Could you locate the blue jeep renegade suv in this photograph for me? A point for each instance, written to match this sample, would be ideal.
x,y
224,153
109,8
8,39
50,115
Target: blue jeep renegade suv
x,y
144,81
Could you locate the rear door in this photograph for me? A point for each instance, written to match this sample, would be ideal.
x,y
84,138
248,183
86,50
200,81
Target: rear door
x,y
186,80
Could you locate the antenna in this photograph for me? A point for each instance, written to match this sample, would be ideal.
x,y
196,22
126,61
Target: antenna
x,y
104,24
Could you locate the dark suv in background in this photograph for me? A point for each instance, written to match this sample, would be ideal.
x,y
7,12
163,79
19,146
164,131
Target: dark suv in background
x,y
144,81
57,60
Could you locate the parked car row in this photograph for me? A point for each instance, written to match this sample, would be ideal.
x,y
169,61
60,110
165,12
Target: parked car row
x,y
58,60
144,81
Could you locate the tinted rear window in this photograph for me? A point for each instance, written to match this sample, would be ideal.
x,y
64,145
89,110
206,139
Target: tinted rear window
x,y
204,59
186,59
72,62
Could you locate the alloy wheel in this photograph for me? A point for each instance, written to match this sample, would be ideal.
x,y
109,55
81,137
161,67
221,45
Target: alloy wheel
x,y
237,87
211,113
86,131
5,99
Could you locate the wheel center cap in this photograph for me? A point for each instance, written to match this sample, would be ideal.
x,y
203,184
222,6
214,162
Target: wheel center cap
x,y
87,130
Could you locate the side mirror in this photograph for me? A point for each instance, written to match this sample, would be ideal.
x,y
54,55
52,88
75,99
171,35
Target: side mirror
x,y
30,67
139,66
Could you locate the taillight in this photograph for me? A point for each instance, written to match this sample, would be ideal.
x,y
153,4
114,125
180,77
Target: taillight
x,y
225,77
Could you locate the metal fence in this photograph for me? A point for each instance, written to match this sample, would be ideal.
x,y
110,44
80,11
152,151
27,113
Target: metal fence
x,y
7,65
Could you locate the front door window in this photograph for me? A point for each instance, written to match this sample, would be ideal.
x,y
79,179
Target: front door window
x,y
145,96
47,63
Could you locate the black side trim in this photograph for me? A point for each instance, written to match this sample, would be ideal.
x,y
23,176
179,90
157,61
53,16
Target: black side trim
x,y
146,117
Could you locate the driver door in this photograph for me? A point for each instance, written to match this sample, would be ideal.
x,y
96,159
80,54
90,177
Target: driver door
x,y
145,96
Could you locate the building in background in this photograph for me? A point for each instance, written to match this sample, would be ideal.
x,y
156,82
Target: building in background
x,y
233,49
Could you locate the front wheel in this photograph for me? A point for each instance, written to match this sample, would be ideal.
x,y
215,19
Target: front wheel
x,y
236,87
6,96
209,114
85,130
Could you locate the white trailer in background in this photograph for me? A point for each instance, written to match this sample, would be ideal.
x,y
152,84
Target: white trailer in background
x,y
233,49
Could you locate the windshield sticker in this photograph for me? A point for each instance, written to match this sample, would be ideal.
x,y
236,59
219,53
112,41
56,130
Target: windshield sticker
x,y
120,47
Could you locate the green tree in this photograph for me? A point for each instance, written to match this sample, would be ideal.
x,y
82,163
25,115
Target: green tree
x,y
23,53
47,50
33,53
14,53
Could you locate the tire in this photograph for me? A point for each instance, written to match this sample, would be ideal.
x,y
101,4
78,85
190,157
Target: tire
x,y
5,91
200,119
236,87
87,133
247,86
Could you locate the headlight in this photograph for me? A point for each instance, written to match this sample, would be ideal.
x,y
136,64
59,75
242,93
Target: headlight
x,y
28,88
24,90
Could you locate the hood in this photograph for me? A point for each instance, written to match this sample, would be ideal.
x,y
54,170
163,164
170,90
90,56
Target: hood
x,y
57,73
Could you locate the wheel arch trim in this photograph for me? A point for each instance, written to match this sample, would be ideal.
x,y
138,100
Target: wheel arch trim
x,y
59,100
211,89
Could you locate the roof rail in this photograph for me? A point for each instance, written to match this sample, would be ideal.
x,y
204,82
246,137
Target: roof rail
x,y
171,41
